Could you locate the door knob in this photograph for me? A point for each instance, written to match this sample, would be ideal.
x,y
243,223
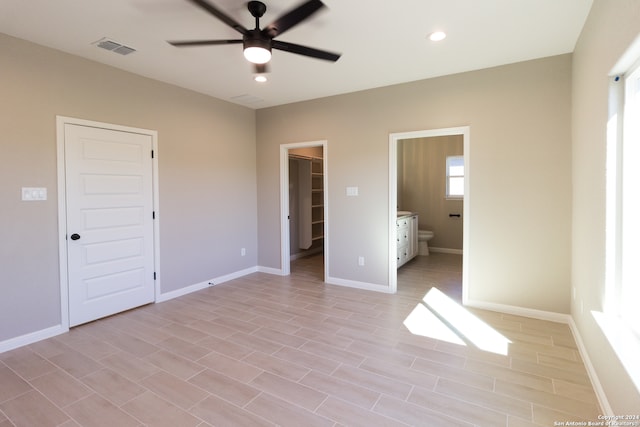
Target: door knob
x,y
75,236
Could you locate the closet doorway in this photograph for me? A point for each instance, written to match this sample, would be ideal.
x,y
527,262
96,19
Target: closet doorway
x,y
303,206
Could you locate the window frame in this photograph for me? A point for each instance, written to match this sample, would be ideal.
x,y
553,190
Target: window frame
x,y
628,204
449,176
613,318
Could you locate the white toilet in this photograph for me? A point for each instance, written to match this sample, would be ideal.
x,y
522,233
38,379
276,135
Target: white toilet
x,y
423,237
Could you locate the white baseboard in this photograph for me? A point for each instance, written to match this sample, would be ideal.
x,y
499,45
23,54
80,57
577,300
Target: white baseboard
x,y
310,252
299,255
559,318
32,337
336,281
202,285
182,291
591,371
446,250
269,270
357,285
234,275
519,311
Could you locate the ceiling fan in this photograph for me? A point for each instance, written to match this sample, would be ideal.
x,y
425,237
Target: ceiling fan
x,y
258,43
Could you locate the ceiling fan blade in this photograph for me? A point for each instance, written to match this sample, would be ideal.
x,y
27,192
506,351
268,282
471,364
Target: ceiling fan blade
x,y
220,15
186,43
305,50
292,18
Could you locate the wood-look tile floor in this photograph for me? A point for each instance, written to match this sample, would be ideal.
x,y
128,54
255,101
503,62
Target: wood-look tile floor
x,y
292,351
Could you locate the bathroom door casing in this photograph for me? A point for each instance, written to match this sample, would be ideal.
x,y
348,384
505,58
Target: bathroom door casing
x,y
109,229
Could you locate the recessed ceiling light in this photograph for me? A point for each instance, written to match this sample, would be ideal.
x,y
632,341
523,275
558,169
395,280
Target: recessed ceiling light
x,y
260,78
437,36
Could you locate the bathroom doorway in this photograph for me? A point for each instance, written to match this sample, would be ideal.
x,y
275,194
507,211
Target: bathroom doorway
x,y
303,207
446,216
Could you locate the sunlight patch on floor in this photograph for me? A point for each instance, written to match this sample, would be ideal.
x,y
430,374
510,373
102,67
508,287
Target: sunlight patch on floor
x,y
421,321
441,318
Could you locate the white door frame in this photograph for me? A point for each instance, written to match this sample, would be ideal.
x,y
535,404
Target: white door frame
x,y
285,249
393,200
61,121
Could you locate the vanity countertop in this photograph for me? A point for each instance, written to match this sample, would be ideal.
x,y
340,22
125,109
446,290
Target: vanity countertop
x,y
404,213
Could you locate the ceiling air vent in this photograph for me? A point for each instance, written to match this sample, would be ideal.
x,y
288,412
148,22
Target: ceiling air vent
x,y
246,99
114,46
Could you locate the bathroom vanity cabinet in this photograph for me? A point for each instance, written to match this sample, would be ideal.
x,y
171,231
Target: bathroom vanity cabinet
x,y
407,238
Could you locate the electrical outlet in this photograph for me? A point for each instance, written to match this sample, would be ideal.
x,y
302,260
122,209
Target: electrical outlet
x,y
360,261
243,252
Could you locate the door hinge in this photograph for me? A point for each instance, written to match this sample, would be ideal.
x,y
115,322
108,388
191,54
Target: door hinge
x,y
153,215
154,275
152,154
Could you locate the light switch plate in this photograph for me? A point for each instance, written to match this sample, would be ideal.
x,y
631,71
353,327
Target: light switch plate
x,y
352,191
30,194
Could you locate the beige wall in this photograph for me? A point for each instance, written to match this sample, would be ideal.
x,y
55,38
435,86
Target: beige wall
x,y
207,174
610,28
422,175
520,176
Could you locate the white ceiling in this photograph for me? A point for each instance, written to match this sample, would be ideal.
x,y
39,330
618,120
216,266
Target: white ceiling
x,y
383,42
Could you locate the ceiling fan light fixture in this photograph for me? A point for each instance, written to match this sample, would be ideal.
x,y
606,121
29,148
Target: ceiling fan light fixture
x,y
258,42
257,55
256,48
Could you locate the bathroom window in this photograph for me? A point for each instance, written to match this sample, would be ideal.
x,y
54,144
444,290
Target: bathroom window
x,y
455,177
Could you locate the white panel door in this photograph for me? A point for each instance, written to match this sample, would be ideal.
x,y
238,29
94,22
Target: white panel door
x,y
109,193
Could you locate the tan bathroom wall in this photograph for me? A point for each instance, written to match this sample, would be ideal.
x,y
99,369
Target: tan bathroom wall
x,y
422,187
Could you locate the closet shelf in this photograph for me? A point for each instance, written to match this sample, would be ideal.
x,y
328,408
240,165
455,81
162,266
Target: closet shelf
x,y
311,199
